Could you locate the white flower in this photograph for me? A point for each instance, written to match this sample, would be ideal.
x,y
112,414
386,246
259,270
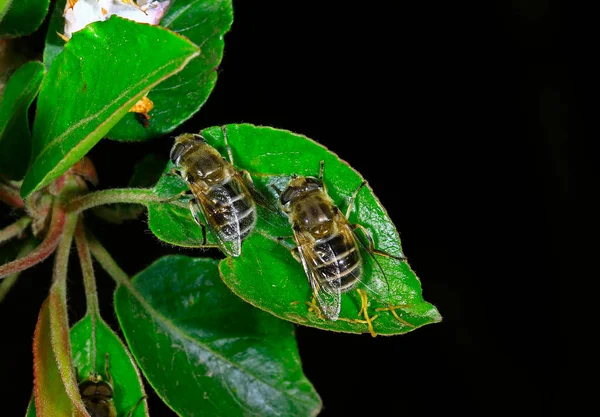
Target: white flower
x,y
80,13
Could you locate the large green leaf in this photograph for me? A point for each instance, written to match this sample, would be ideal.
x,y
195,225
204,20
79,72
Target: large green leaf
x,y
15,136
21,17
205,23
92,84
206,352
267,275
91,341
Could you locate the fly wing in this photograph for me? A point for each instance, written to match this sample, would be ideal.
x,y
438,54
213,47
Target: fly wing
x,y
221,218
256,195
326,287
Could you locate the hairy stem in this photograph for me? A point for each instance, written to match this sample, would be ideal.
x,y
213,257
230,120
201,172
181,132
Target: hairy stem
x,y
89,281
107,262
112,196
7,283
87,269
61,259
45,249
14,229
10,195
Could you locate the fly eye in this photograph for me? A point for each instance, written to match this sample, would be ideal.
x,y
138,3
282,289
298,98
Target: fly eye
x,y
287,195
176,152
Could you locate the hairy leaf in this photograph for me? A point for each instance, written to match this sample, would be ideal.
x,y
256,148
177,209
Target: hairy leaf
x,y
52,365
15,136
21,17
206,352
107,72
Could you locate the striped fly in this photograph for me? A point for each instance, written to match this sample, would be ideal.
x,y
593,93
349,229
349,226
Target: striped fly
x,y
224,194
327,245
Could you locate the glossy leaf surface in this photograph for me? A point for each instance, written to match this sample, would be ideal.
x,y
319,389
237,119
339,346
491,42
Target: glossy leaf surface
x,y
206,352
15,136
267,275
205,23
65,130
21,17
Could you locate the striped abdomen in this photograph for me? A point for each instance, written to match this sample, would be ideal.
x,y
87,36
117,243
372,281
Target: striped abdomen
x,y
235,213
338,257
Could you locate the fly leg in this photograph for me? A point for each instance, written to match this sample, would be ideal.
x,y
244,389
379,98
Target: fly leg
x,y
194,204
393,309
224,130
106,371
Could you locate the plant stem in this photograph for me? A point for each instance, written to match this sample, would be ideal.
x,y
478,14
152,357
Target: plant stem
x,y
10,195
44,249
89,281
7,283
112,196
87,269
14,229
107,262
61,258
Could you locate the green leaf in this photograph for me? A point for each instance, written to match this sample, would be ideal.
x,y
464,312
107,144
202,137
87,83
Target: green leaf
x,y
91,340
4,6
267,275
204,22
21,17
103,73
206,352
54,43
15,136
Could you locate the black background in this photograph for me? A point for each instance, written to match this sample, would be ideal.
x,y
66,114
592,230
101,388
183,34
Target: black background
x,y
472,125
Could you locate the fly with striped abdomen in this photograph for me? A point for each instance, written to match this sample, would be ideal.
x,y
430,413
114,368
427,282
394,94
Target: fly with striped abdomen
x,y
327,245
224,194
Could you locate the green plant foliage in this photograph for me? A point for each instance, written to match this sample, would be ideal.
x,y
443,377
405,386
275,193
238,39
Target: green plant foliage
x,y
21,17
205,23
4,6
206,352
15,136
54,43
53,399
65,130
91,340
267,275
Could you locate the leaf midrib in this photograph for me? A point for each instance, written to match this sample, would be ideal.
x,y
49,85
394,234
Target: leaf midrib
x,y
167,323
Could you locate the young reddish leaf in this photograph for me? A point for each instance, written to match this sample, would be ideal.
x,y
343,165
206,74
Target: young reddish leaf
x,y
52,397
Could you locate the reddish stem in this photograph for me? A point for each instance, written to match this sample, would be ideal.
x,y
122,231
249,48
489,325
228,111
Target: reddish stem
x,y
44,249
10,195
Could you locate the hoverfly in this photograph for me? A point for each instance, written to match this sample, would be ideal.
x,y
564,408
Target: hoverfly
x,y
225,195
327,245
97,395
